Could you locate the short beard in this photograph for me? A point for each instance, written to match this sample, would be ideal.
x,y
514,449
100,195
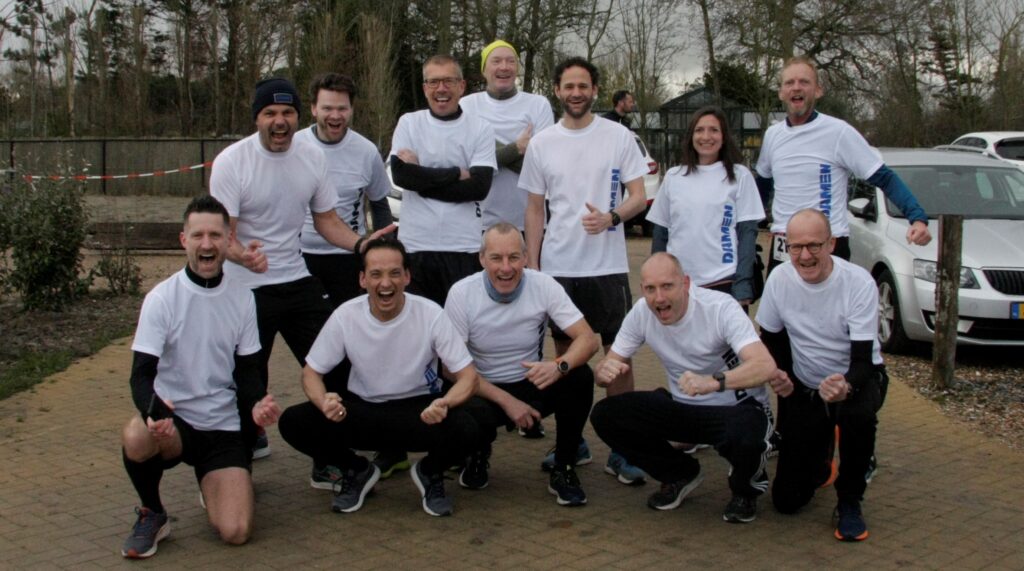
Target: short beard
x,y
583,110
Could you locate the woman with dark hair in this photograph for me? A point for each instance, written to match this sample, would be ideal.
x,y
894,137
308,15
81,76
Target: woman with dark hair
x,y
707,210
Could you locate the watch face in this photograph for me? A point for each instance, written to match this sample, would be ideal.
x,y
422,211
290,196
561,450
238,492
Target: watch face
x,y
563,367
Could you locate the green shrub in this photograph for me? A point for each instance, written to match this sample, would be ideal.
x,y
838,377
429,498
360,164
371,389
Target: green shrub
x,y
46,227
118,267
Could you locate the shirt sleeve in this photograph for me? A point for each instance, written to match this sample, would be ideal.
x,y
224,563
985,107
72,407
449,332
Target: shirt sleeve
x,y
544,117
767,310
633,165
748,199
855,154
324,197
455,309
863,311
560,308
379,186
661,208
154,321
764,160
531,178
249,340
401,139
735,326
224,185
329,348
450,348
483,149
631,333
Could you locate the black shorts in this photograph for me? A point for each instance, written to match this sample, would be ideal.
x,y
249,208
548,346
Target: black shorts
x,y
434,273
604,301
209,450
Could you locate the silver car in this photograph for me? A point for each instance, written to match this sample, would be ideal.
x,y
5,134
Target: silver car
x,y
990,195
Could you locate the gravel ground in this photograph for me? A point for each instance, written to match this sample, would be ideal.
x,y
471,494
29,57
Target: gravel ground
x,y
988,391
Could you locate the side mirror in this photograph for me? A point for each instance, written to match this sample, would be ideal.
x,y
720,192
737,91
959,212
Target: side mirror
x,y
863,208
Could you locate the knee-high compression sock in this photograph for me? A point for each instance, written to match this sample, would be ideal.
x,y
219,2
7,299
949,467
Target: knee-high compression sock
x,y
145,476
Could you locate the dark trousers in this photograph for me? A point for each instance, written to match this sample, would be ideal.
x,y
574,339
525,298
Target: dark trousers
x,y
640,425
807,445
434,273
339,274
842,250
569,399
391,425
298,310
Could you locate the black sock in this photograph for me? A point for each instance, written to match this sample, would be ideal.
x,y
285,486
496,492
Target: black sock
x,y
145,476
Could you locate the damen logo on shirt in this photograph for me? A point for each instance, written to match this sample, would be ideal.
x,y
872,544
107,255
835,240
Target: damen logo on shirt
x,y
433,381
825,189
614,196
727,250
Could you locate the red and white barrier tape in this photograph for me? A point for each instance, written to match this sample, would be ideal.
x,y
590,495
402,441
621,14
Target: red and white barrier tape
x,y
31,177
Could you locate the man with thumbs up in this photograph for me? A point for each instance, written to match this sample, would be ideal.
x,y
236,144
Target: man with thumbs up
x,y
580,165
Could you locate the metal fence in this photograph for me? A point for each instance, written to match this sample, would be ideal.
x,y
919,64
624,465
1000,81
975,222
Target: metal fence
x,y
140,165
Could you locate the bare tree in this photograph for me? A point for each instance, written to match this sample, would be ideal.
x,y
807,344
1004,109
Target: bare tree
x,y
651,41
378,107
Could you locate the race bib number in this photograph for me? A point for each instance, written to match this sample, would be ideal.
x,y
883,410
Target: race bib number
x,y
780,253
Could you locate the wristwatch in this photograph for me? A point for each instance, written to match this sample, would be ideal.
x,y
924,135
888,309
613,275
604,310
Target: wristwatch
x,y
720,377
616,219
563,367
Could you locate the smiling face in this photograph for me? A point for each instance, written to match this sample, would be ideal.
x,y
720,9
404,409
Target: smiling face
x,y
333,113
666,289
798,91
443,85
500,71
384,280
205,238
707,139
277,125
504,258
807,231
576,91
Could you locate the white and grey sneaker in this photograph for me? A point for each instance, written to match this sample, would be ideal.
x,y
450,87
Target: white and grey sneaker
x,y
431,487
351,489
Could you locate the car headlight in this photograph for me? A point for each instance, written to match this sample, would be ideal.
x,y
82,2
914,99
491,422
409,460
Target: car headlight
x,y
929,272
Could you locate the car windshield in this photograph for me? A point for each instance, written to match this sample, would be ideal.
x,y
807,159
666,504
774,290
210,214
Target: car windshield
x,y
1011,149
978,192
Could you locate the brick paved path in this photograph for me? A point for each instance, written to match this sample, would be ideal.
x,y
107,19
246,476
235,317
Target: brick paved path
x,y
945,497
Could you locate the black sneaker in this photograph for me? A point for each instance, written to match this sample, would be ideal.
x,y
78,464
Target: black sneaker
x,y
435,501
474,475
740,510
149,529
390,461
850,524
324,477
671,494
351,490
565,485
534,432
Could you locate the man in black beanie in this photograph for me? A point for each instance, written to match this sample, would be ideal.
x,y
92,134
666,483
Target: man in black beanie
x,y
267,182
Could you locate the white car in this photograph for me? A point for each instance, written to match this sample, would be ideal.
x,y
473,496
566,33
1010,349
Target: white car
x,y
990,195
1003,145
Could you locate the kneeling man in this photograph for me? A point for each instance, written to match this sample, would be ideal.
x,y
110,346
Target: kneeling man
x,y
501,313
196,383
716,368
395,398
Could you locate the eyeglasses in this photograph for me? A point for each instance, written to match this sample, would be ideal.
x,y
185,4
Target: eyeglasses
x,y
814,248
448,82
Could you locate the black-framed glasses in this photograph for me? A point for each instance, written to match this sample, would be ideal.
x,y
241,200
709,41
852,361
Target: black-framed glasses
x,y
814,248
448,82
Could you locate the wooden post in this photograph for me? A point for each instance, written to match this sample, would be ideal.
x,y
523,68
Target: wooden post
x,y
947,291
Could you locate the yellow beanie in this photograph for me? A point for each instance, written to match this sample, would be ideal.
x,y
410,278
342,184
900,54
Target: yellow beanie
x,y
491,47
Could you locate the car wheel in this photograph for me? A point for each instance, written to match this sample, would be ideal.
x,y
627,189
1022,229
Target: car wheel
x,y
891,336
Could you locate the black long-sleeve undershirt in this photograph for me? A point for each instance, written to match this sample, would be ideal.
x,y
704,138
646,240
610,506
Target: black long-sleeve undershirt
x,y
442,183
246,375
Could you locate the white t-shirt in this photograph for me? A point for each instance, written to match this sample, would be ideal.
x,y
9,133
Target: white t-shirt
x,y
500,336
354,169
811,165
394,359
269,193
508,117
573,167
196,333
701,210
430,225
707,340
822,318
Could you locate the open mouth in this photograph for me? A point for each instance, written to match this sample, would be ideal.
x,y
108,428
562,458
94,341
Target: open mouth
x,y
386,295
663,312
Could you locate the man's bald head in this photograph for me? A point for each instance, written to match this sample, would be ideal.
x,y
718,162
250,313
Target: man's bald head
x,y
806,220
